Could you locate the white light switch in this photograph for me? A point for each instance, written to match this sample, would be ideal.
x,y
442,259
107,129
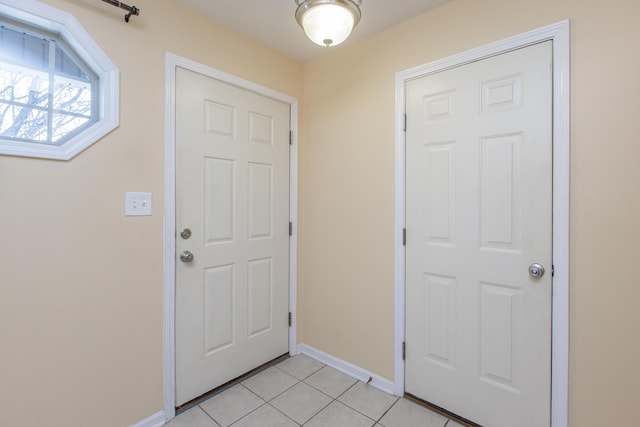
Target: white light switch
x,y
137,204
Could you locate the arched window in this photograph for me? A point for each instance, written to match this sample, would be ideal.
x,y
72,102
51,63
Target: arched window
x,y
58,90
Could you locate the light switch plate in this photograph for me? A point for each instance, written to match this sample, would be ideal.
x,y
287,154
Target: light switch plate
x,y
137,204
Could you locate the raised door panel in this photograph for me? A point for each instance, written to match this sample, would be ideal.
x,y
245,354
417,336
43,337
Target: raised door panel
x,y
501,191
220,120
260,296
219,304
260,129
500,333
439,193
260,200
219,200
439,340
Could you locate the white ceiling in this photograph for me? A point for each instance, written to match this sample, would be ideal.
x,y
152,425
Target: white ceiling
x,y
272,22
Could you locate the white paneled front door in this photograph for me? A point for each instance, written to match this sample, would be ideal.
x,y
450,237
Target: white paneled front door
x,y
232,195
478,216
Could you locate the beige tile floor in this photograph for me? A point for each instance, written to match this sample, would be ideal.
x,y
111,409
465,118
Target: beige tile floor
x,y
301,391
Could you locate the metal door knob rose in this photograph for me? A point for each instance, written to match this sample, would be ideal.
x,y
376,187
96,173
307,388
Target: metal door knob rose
x,y
536,270
186,256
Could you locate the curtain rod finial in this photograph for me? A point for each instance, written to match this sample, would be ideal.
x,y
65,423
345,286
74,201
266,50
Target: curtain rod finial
x,y
134,11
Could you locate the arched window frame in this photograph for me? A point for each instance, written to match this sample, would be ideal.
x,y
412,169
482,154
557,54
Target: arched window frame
x,y
64,25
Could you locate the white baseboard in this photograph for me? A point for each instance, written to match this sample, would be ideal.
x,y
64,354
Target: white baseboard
x,y
347,368
155,420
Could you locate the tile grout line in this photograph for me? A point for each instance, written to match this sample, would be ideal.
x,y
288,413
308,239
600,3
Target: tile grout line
x,y
354,409
268,402
333,399
303,381
288,373
294,421
322,409
208,415
328,395
258,396
283,391
262,406
275,397
388,409
342,394
246,415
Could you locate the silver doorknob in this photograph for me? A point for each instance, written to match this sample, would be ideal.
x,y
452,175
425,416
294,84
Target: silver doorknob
x,y
186,256
185,233
536,270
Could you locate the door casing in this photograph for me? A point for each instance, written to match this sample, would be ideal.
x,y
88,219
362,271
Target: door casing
x,y
169,239
558,33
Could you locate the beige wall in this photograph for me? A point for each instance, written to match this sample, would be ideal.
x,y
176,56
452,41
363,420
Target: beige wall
x,y
81,285
346,273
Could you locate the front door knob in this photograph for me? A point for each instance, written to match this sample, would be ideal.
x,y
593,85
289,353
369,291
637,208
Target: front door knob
x,y
186,256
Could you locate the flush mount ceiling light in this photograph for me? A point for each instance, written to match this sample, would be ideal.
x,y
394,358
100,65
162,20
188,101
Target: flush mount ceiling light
x,y
328,22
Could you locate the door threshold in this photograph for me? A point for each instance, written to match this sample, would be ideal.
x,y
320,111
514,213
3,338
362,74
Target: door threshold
x,y
465,422
198,400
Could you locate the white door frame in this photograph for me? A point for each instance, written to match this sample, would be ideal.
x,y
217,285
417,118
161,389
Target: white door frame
x,y
171,63
559,34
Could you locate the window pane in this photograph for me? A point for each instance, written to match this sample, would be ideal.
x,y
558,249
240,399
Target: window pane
x,y
64,124
72,96
23,86
66,65
23,122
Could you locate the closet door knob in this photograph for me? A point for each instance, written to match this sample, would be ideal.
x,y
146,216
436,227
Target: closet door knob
x,y
536,270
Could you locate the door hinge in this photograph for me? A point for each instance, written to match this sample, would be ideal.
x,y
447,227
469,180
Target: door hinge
x,y
553,270
290,228
290,137
404,350
404,237
290,321
405,122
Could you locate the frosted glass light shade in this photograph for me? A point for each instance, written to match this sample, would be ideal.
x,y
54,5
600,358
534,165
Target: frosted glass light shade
x,y
328,22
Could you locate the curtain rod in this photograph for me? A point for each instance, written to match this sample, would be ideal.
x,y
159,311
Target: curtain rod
x,y
131,9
